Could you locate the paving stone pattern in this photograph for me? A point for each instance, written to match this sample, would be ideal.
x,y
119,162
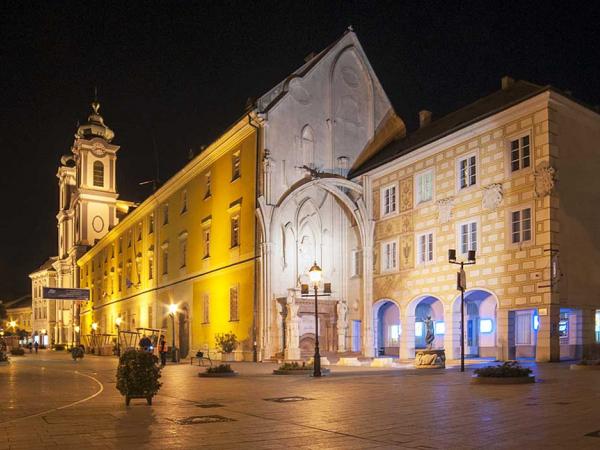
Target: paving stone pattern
x,y
353,408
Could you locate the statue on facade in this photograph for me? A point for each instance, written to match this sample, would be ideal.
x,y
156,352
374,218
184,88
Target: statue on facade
x,y
430,332
342,324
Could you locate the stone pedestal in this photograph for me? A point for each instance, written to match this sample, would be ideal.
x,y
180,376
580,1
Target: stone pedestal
x,y
430,359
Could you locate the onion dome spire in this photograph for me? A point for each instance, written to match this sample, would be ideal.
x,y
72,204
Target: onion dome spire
x,y
95,126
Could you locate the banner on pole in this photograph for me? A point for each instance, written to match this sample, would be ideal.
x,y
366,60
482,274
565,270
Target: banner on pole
x,y
53,293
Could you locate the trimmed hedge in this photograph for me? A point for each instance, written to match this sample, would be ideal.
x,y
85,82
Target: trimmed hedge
x,y
509,369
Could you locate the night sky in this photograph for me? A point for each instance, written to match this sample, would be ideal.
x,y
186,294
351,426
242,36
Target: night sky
x,y
175,74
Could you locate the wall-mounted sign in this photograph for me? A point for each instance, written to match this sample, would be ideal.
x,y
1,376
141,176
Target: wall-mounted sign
x,y
52,293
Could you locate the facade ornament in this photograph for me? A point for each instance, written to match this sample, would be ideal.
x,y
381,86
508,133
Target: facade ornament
x,y
445,209
267,160
492,196
545,177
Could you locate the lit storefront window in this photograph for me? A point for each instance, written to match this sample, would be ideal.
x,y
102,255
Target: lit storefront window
x,y
486,326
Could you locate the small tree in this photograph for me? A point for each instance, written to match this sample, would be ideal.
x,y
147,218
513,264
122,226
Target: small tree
x,y
226,342
137,375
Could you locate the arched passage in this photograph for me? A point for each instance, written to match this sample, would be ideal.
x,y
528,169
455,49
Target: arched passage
x,y
429,308
481,335
386,328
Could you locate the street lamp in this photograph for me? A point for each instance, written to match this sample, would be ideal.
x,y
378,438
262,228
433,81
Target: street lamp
x,y
118,325
315,277
461,285
172,311
12,324
43,331
94,327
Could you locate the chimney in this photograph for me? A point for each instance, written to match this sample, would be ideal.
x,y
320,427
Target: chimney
x,y
507,82
424,118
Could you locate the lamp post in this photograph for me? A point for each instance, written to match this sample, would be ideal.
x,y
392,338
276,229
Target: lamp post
x,y
172,311
118,325
43,331
315,277
461,285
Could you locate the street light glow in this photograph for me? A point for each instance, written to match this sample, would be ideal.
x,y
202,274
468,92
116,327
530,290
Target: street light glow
x,y
12,323
118,321
94,326
315,273
172,308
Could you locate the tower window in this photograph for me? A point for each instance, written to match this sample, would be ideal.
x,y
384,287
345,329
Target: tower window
x,y
98,174
235,166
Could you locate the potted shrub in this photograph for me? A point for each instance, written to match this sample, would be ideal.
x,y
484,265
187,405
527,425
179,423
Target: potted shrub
x,y
220,371
508,373
226,343
17,351
77,353
294,368
137,375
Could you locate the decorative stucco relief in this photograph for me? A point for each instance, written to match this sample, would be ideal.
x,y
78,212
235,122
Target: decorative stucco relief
x,y
407,223
545,177
406,194
382,287
406,252
492,196
445,209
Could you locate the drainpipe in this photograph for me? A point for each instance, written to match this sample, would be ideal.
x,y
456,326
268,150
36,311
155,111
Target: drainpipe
x,y
256,244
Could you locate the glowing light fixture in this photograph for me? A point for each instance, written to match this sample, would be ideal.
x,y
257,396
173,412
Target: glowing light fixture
x,y
536,322
172,308
315,273
440,327
94,326
118,321
77,328
486,326
12,324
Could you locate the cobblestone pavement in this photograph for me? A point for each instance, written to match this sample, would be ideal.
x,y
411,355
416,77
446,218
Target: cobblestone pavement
x,y
351,409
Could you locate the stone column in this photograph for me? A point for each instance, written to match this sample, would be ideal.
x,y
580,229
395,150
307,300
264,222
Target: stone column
x,y
548,346
407,337
588,332
505,335
265,338
367,285
341,325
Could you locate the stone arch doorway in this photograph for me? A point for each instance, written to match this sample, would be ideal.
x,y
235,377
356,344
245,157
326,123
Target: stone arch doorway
x,y
386,328
423,308
183,320
481,333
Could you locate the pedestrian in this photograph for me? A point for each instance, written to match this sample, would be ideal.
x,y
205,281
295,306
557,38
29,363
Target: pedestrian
x,y
162,350
145,343
36,346
30,347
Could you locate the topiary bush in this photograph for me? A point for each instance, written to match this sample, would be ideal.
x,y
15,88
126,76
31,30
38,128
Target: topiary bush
x,y
17,351
507,370
295,366
138,374
226,342
221,368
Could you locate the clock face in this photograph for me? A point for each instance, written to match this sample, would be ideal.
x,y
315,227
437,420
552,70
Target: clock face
x,y
98,152
98,224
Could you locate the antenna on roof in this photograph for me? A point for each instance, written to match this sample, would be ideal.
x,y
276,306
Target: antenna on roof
x,y
156,180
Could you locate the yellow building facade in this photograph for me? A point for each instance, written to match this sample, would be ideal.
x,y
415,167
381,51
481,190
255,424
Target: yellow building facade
x,y
191,244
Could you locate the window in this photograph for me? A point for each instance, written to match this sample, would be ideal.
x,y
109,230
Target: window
x,y
419,329
235,232
139,232
424,187
233,304
119,281
355,263
520,153
235,166
440,327
597,327
394,335
389,260
182,252
468,237
120,249
388,200
150,267
486,325
129,233
151,224
165,212
208,186
165,260
523,323
425,248
98,174
467,172
308,146
206,242
184,201
205,309
521,226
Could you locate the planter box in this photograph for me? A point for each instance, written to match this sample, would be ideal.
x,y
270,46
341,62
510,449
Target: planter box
x,y
217,375
584,367
228,357
503,380
147,397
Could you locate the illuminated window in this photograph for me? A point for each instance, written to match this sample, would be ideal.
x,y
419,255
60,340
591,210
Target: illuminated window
x,y
519,153
467,172
521,226
394,334
424,187
233,304
425,248
597,327
235,231
150,267
440,328
388,200
98,174
165,212
523,326
389,257
486,326
184,201
151,224
419,329
207,242
235,166
208,186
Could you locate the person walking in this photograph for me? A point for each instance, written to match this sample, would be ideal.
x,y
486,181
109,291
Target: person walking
x,y
36,346
162,350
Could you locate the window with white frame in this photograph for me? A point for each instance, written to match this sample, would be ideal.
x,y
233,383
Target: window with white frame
x,y
165,259
467,234
235,231
520,225
208,185
424,187
206,237
355,265
235,166
233,304
182,252
388,200
389,256
424,248
467,171
520,153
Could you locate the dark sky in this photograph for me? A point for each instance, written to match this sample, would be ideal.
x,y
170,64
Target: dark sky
x,y
178,73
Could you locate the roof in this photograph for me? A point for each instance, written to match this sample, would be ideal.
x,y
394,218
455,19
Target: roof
x,y
461,118
47,264
21,302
